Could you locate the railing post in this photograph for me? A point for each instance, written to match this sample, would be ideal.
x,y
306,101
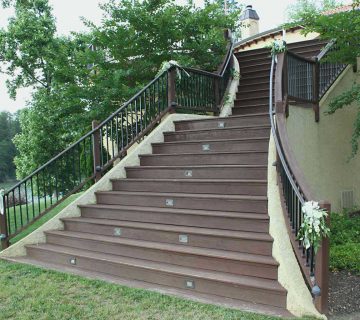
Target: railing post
x,y
172,89
322,267
217,93
96,151
316,88
3,222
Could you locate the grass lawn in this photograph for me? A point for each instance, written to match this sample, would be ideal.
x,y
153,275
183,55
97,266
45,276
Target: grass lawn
x,y
33,293
345,242
39,222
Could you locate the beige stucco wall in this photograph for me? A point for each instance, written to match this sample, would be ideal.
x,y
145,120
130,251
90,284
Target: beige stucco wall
x,y
249,28
290,37
72,210
323,149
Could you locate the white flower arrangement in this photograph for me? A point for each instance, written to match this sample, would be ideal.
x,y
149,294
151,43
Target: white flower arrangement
x,y
166,65
313,228
277,46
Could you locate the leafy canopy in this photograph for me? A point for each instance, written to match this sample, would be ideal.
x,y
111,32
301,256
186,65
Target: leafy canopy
x,y
75,84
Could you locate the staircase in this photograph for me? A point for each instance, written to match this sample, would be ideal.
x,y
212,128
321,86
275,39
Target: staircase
x,y
193,216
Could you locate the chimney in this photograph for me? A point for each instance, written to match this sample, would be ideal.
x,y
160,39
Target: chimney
x,y
250,22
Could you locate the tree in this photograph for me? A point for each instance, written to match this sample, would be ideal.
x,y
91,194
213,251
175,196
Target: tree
x,y
75,84
344,27
302,8
9,126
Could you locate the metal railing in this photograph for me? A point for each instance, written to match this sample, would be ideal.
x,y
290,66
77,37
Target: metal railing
x,y
84,162
293,191
307,80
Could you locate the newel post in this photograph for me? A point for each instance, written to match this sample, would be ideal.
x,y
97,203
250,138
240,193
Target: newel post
x,y
316,89
96,151
172,89
322,267
3,222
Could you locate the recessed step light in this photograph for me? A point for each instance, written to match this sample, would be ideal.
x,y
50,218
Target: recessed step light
x,y
183,238
117,232
206,147
169,202
188,173
190,284
72,261
221,124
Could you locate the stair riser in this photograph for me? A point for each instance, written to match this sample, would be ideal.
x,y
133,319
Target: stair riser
x,y
243,205
249,74
177,258
252,101
254,80
198,173
240,110
218,134
243,188
243,95
229,122
254,68
179,219
258,86
212,146
195,240
252,58
202,159
268,297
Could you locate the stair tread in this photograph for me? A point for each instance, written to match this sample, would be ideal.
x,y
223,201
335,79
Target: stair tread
x,y
211,140
187,195
199,166
213,153
174,228
240,280
252,105
260,126
215,253
222,118
224,214
215,181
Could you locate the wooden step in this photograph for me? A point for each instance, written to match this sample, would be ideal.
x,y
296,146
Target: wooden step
x,y
251,131
239,241
252,108
253,79
263,291
251,100
199,172
244,187
253,93
255,66
210,158
219,123
262,84
176,254
263,72
238,203
240,221
235,145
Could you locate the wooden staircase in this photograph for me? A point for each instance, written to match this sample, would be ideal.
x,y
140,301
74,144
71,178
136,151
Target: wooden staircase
x,y
193,216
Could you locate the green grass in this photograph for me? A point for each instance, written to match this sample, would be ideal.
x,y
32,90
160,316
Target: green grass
x,y
345,242
39,222
33,293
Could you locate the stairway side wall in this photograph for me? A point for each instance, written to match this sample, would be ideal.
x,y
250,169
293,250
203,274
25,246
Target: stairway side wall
x,y
299,300
72,210
323,149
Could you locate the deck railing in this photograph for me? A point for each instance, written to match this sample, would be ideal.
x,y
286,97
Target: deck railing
x,y
84,162
299,79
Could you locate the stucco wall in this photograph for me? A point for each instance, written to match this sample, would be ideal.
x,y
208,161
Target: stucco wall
x,y
323,149
290,37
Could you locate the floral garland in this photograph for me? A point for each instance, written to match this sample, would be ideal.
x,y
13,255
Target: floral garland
x,y
277,46
166,65
313,228
2,193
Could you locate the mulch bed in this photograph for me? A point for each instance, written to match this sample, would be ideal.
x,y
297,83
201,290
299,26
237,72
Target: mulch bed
x,y
344,293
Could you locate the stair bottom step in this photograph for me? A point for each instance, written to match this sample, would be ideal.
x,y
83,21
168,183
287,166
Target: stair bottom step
x,y
184,294
261,291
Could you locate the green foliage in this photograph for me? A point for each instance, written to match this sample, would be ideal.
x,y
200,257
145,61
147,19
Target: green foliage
x,y
9,126
75,84
346,99
345,242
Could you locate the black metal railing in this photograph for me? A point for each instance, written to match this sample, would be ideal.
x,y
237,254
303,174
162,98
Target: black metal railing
x,y
329,71
294,194
85,161
300,77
